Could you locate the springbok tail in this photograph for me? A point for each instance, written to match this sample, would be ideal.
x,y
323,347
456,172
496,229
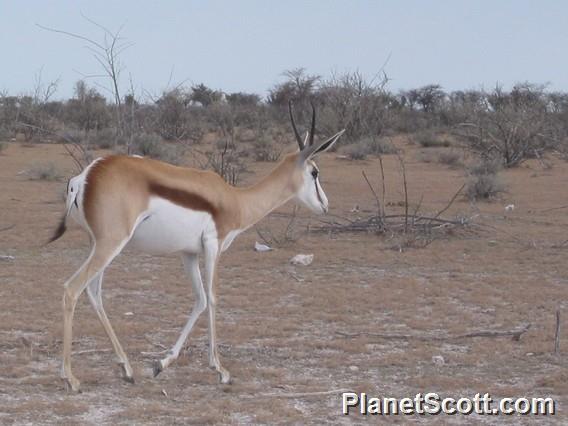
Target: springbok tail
x,y
71,198
61,228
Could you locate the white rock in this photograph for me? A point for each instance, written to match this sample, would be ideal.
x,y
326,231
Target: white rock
x,y
509,207
129,314
438,360
261,247
354,368
302,259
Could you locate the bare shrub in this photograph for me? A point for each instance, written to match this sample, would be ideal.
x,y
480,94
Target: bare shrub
x,y
225,160
356,151
450,158
369,146
510,126
380,146
265,149
103,139
488,167
151,145
483,182
43,171
428,139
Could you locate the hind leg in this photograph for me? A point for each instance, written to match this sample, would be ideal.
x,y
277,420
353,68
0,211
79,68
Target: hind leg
x,y
103,253
94,290
191,264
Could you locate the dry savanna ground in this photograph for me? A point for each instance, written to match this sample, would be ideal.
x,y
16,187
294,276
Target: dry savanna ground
x,y
280,325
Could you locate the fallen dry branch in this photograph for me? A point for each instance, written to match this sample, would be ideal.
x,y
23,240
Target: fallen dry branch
x,y
92,351
302,394
557,333
391,222
7,228
515,334
414,228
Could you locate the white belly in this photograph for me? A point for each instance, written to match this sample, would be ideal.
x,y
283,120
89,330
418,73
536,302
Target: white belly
x,y
169,228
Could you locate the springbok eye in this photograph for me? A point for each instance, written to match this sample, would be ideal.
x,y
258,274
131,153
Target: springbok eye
x,y
315,173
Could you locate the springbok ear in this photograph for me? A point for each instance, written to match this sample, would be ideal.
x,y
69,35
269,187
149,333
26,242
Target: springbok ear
x,y
314,150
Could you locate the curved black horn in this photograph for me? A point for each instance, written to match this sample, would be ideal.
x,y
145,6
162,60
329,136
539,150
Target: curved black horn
x,y
296,133
313,129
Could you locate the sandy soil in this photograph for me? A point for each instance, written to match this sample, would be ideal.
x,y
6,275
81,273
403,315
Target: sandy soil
x,y
278,324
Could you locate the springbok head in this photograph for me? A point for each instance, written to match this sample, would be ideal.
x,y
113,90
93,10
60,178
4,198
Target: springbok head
x,y
310,192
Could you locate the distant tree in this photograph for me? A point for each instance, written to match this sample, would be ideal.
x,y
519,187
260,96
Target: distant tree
x,y
204,95
298,87
243,99
87,109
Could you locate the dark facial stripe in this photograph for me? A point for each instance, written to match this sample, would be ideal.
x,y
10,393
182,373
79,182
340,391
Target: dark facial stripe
x,y
317,191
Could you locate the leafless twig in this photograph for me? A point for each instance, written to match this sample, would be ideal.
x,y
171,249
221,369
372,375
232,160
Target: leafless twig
x,y
557,333
515,334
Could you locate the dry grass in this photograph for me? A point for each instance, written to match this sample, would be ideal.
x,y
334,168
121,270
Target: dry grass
x,y
44,171
278,334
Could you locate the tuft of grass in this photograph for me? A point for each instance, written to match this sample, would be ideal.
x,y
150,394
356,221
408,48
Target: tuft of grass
x,y
43,171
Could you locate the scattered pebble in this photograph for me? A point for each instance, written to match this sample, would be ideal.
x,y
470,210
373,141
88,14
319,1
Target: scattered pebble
x,y
354,368
302,259
261,247
438,360
129,314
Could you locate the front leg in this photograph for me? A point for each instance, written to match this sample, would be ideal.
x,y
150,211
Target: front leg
x,y
212,254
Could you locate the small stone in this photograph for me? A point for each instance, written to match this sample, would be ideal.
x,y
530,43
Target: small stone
x,y
438,360
302,259
354,368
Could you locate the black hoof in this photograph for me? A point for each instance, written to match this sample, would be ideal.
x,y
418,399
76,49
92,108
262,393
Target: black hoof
x,y
129,379
157,368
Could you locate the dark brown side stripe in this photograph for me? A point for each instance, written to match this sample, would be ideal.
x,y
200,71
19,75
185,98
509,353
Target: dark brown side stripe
x,y
182,198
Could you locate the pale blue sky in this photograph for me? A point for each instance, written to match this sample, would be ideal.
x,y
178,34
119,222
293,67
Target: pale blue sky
x,y
245,45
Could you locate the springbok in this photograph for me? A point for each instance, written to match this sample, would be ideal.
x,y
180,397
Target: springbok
x,y
159,208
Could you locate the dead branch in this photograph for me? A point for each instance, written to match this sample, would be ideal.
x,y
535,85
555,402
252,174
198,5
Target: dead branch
x,y
374,193
7,228
514,334
557,333
450,202
92,351
74,156
383,184
302,394
405,187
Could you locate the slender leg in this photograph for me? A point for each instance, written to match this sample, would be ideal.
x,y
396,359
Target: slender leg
x,y
101,256
94,290
191,264
211,261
